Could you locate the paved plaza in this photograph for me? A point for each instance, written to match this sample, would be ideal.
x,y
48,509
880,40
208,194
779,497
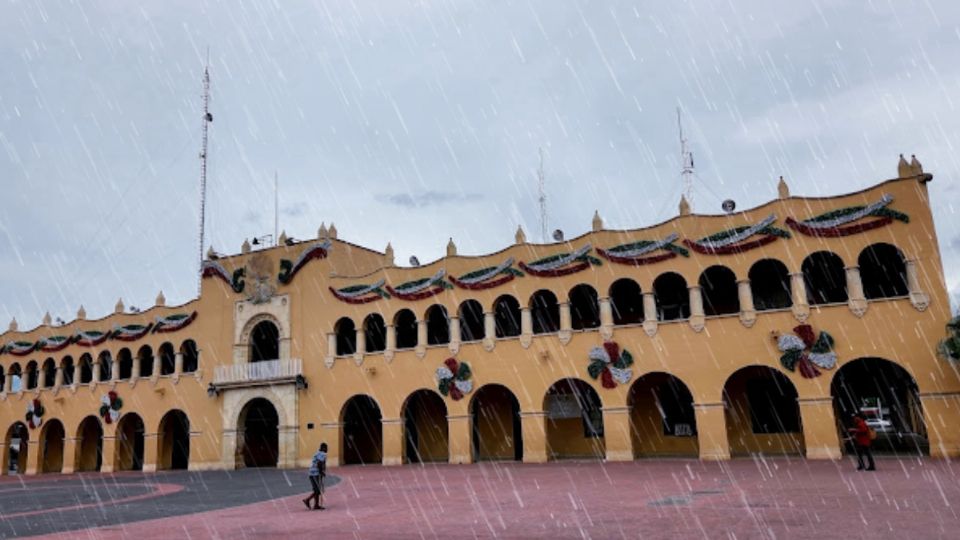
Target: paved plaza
x,y
772,498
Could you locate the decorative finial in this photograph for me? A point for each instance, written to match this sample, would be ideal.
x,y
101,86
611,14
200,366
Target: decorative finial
x,y
81,313
388,255
211,254
332,232
161,299
245,247
684,206
13,325
47,319
915,167
903,168
597,221
282,241
520,237
119,307
451,248
322,232
783,190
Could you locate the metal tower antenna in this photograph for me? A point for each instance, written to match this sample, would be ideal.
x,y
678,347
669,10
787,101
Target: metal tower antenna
x,y
542,199
207,119
276,206
686,163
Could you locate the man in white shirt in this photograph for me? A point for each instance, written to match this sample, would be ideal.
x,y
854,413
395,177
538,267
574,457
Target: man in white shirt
x,y
318,470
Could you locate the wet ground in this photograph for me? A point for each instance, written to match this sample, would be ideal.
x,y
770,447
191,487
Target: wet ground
x,y
772,498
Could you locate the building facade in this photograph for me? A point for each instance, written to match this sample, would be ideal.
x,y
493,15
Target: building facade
x,y
757,332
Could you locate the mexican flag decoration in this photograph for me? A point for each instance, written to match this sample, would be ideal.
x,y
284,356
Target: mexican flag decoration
x,y
610,364
806,352
110,405
130,332
738,239
949,347
642,252
487,278
562,264
289,269
453,379
35,412
361,294
172,323
421,288
54,343
849,220
90,338
215,269
19,348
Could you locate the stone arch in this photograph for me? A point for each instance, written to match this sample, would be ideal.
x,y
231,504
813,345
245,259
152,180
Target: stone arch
x,y
496,433
191,356
626,302
242,349
506,314
584,307
346,335
124,364
51,446
718,285
129,443
89,451
15,454
374,333
672,297
166,359
770,285
173,441
264,342
825,277
662,418
69,370
883,271
425,428
31,375
438,325
259,421
284,401
545,312
762,413
405,325
471,318
574,420
362,431
49,372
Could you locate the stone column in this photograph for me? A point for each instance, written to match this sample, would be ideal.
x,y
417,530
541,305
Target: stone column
x,y
393,441
331,436
649,314
137,368
391,337
455,337
58,378
69,455
151,442
697,318
361,347
114,370
938,409
109,463
748,313
177,364
606,318
616,433
331,344
489,330
287,446
712,431
458,438
798,290
230,448
41,377
566,323
526,327
421,348
855,297
33,456
534,428
7,387
96,371
918,298
819,421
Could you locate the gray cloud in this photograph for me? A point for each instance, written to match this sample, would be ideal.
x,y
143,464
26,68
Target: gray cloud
x,y
294,210
428,198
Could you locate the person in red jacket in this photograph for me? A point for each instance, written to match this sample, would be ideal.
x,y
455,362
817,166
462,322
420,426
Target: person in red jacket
x,y
860,432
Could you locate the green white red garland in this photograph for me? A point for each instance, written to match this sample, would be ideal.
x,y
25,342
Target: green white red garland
x,y
837,223
215,269
487,278
562,264
54,343
453,379
130,332
421,288
361,294
110,405
610,364
734,240
35,412
806,352
90,338
172,323
19,348
289,269
638,253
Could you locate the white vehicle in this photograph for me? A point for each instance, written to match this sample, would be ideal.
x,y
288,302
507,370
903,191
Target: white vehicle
x,y
877,416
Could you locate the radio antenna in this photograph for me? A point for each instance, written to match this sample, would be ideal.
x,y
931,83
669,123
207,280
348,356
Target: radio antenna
x,y
542,199
686,163
207,120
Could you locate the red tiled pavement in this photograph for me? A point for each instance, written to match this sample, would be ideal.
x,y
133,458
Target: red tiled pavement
x,y
774,498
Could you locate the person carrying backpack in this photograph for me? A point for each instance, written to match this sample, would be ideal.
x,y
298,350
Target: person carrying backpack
x,y
863,436
317,472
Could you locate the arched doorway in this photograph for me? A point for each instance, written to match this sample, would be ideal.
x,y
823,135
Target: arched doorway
x,y
174,441
15,450
887,395
362,431
662,419
497,432
425,434
89,445
260,425
762,413
51,447
574,421
264,342
130,443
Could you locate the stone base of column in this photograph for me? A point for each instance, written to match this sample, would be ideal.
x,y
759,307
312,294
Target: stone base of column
x,y
824,453
533,425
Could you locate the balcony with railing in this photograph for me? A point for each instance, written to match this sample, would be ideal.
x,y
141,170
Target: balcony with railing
x,y
259,373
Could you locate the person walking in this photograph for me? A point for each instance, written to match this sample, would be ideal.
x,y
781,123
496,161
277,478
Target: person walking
x,y
318,470
862,436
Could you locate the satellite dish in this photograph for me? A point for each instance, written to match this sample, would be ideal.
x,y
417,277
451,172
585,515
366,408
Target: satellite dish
x,y
414,261
729,205
558,235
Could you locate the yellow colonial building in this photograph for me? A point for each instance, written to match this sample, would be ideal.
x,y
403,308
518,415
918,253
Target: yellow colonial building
x,y
757,332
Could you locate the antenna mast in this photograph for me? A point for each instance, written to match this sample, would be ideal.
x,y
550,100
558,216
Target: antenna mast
x,y
686,163
207,119
276,206
542,199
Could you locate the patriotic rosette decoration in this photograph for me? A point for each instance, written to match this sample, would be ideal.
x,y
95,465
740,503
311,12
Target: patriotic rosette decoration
x,y
487,278
90,338
361,294
110,405
215,269
806,352
562,264
130,332
847,221
453,379
289,269
35,412
19,348
421,288
640,253
54,343
736,240
610,364
172,323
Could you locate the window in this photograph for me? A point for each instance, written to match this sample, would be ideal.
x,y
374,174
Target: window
x,y
672,297
545,312
191,356
626,300
374,333
506,316
584,308
825,278
770,285
883,271
346,337
405,324
471,321
438,326
718,285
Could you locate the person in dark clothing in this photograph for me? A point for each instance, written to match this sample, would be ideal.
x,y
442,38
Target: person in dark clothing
x,y
318,470
860,432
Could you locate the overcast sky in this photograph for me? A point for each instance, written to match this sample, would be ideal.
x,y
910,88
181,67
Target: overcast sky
x,y
410,122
